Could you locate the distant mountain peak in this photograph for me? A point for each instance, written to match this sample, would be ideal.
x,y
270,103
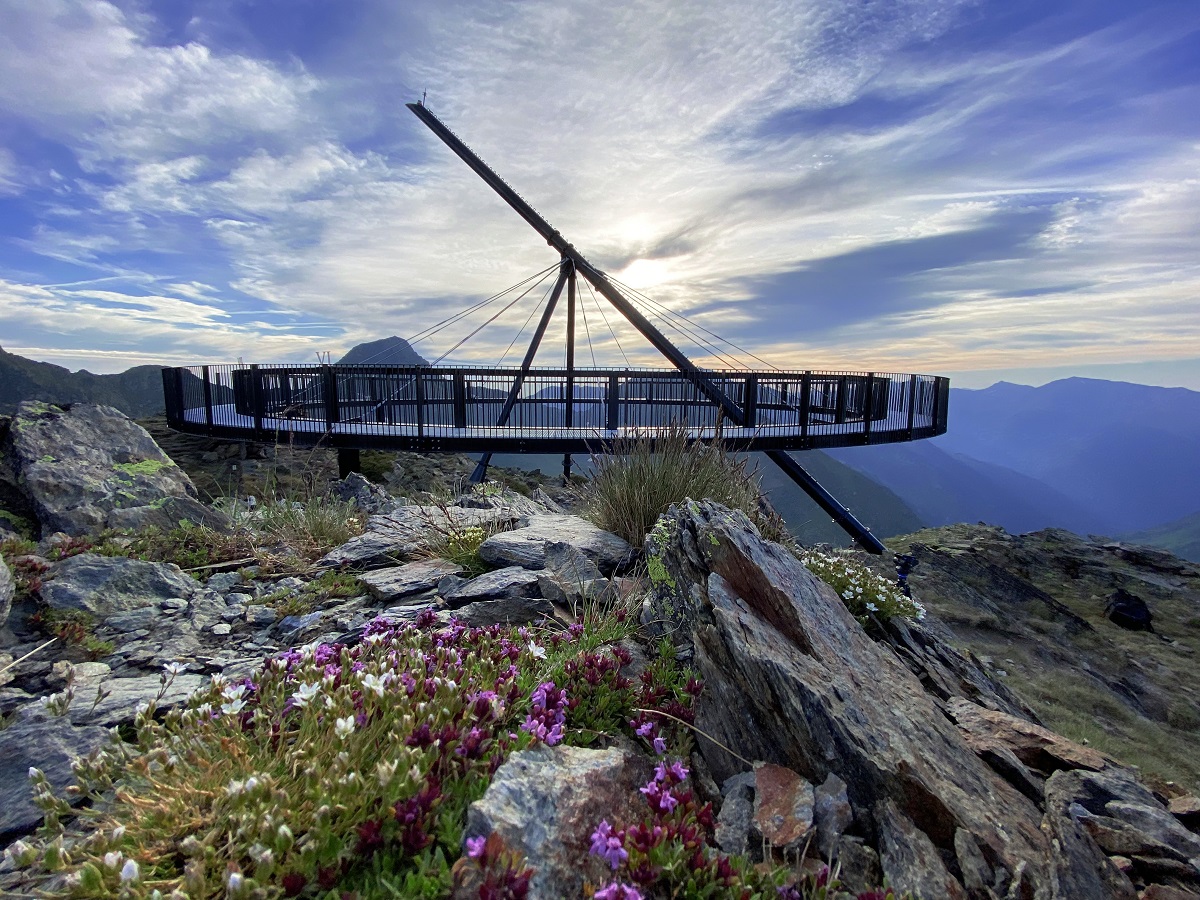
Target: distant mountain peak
x,y
388,351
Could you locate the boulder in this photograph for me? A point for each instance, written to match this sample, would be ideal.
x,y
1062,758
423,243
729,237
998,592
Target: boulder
x,y
366,495
395,582
507,611
104,585
124,695
86,467
46,742
570,577
1036,747
545,803
509,583
791,678
8,589
407,531
783,807
526,546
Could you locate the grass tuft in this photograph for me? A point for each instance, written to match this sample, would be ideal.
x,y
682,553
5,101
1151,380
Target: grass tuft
x,y
642,476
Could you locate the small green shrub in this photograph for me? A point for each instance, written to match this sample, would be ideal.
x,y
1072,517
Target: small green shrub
x,y
869,597
329,585
644,475
74,627
306,529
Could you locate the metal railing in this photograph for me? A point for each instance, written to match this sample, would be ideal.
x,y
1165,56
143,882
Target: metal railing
x,y
556,410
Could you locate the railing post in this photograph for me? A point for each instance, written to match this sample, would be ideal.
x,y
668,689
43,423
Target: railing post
x,y
868,407
842,385
912,404
330,389
750,401
805,405
208,401
460,400
256,399
419,398
614,394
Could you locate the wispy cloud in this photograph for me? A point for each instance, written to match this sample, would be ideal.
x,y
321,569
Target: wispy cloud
x,y
927,184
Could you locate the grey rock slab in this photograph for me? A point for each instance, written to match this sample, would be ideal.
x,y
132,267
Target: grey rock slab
x,y
509,583
8,589
732,833
135,619
507,611
223,582
89,467
104,585
409,530
1157,823
1080,867
392,583
49,743
366,495
526,546
791,678
545,803
832,814
259,616
120,706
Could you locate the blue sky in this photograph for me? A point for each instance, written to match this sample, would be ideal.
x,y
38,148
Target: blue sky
x,y
985,189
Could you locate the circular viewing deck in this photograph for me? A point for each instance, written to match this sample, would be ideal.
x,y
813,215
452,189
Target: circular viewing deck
x,y
456,409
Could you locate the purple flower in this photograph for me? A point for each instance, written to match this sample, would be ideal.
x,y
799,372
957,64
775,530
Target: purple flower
x,y
609,844
645,729
660,746
618,891
475,846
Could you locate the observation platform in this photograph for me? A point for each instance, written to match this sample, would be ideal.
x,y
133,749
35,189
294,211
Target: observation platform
x,y
430,409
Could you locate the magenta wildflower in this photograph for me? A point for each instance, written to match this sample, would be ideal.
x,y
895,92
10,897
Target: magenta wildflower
x,y
609,844
618,891
660,746
475,846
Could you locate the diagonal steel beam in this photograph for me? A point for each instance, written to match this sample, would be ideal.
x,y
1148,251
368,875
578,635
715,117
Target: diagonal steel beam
x,y
657,339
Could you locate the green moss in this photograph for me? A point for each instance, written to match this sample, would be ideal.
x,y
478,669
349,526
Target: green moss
x,y
658,573
48,459
144,467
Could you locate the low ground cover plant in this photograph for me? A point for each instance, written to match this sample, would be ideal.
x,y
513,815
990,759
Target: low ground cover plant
x,y
870,597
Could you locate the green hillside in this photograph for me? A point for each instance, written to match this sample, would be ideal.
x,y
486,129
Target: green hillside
x,y
136,392
1181,537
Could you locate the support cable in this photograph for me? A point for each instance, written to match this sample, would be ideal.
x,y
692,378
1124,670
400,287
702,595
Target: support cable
x,y
587,331
628,364
694,323
528,319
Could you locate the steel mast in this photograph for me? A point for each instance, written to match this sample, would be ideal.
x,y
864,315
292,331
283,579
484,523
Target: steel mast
x,y
728,407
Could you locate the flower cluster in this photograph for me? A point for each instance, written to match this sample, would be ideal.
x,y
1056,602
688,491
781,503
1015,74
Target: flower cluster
x,y
867,595
547,719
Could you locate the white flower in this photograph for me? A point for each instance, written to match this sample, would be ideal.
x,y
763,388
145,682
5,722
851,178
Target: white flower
x,y
112,859
344,727
305,693
234,692
872,607
375,683
538,651
234,788
118,832
233,708
234,882
174,668
130,872
847,594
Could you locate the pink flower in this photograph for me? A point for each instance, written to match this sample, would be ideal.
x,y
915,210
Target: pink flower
x,y
618,891
609,844
475,846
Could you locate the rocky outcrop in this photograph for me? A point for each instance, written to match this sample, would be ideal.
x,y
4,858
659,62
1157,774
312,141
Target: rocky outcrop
x,y
49,743
7,591
408,531
86,468
545,803
526,546
791,679
104,585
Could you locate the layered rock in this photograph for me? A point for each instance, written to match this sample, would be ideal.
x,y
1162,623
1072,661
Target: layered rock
x,y
791,679
86,468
